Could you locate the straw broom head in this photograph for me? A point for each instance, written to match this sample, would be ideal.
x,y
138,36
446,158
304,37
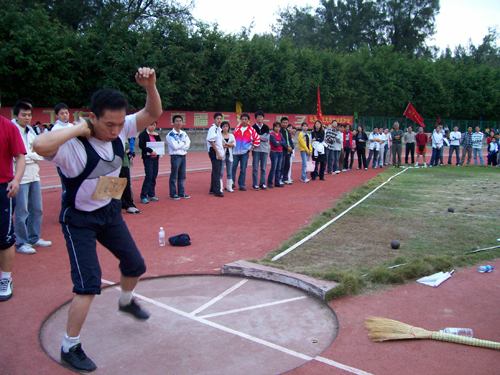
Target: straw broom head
x,y
382,329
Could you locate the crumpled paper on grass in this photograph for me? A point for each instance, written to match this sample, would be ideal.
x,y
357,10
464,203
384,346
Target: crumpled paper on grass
x,y
436,279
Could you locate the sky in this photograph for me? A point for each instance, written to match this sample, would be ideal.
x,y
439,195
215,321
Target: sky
x,y
457,22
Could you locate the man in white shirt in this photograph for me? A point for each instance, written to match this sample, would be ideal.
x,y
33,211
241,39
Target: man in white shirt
x,y
455,138
90,156
178,143
437,145
28,211
216,153
374,139
477,145
383,146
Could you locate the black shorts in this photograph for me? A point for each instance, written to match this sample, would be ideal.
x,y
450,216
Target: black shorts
x,y
7,205
81,230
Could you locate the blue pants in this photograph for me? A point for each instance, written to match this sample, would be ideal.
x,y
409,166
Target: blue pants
x,y
259,157
305,159
229,169
329,161
243,160
478,151
373,153
456,149
177,174
151,171
275,172
435,156
28,224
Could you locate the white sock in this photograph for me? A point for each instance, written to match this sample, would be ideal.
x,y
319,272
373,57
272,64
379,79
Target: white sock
x,y
125,298
69,342
6,275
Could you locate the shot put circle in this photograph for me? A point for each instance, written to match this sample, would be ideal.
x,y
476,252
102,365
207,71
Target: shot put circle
x,y
395,244
201,324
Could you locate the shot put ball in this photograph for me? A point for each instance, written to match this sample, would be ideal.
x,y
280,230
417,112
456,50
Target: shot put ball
x,y
395,244
451,209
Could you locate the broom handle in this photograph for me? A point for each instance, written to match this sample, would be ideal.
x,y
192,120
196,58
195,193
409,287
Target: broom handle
x,y
464,340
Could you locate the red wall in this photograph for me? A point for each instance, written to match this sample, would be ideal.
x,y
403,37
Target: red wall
x,y
193,119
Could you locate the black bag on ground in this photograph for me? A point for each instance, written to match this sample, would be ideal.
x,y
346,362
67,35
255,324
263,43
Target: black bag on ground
x,y
180,240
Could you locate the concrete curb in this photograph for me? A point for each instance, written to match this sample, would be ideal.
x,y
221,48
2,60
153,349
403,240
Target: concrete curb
x,y
307,283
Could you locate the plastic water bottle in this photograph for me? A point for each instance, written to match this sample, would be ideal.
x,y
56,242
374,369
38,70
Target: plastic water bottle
x,y
467,332
484,269
161,237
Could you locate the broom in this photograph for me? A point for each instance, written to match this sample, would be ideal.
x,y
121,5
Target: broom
x,y
382,329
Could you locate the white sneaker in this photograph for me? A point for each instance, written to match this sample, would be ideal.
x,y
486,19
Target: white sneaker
x,y
337,172
42,243
133,210
306,180
416,164
26,249
288,182
5,289
344,170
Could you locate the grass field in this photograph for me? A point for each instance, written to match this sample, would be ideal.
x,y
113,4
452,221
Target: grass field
x,y
413,209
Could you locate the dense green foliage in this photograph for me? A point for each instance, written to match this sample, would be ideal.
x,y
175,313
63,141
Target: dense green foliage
x,y
55,50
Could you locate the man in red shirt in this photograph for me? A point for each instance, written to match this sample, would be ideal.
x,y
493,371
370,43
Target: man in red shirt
x,y
421,139
11,146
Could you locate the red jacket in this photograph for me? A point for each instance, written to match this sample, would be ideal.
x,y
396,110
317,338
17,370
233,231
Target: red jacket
x,y
347,142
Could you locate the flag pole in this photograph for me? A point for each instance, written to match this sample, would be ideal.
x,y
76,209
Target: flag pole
x,y
401,119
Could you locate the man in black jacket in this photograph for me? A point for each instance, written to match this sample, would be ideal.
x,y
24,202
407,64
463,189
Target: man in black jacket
x,y
287,151
150,160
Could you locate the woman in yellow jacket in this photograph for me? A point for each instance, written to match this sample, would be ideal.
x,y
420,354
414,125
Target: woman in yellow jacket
x,y
305,147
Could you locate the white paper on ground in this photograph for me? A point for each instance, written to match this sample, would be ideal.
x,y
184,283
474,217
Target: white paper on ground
x,y
436,279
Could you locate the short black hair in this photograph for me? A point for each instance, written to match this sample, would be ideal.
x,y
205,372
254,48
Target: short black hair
x,y
276,123
217,114
259,113
284,119
60,106
105,99
225,123
304,123
245,115
21,106
26,101
289,126
177,116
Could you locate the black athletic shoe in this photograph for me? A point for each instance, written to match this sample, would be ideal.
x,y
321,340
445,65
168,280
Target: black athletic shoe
x,y
135,310
242,188
77,359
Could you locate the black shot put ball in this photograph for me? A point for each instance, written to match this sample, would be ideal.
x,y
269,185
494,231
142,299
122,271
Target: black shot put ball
x,y
451,209
395,244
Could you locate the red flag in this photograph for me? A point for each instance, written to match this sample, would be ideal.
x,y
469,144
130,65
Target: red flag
x,y
413,115
438,121
320,115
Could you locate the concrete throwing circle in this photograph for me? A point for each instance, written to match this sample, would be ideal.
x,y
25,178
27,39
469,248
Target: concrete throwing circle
x,y
201,325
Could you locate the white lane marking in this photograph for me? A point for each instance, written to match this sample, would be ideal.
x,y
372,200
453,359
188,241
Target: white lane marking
x,y
252,307
218,298
341,366
107,282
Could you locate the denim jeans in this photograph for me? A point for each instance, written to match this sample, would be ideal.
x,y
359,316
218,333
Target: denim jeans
x,y
177,174
336,157
305,159
275,172
478,151
374,154
329,161
151,171
28,213
243,160
259,157
229,168
435,157
456,149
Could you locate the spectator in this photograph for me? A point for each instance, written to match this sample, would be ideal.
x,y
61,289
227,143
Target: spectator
x,y
36,128
329,140
490,138
437,139
45,129
347,146
305,148
421,141
178,144
467,146
341,129
455,137
277,144
11,147
127,197
388,147
61,111
292,130
246,140
260,152
374,146
361,139
337,139
493,152
383,145
409,139
353,147
397,137
477,145
150,161
228,144
216,154
287,151
319,155
29,210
